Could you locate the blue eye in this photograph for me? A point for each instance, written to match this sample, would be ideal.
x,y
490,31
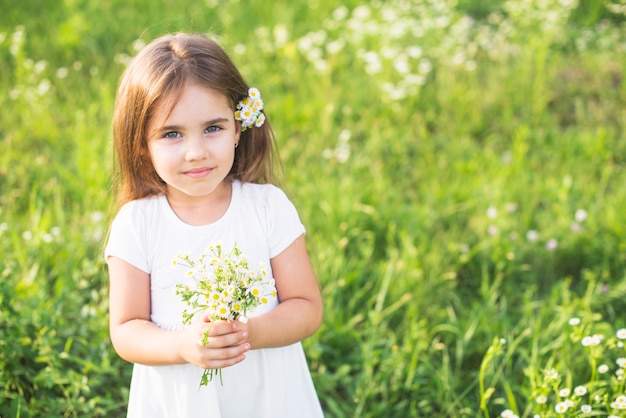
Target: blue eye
x,y
171,135
212,129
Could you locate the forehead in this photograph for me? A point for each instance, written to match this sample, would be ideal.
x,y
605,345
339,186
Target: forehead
x,y
191,99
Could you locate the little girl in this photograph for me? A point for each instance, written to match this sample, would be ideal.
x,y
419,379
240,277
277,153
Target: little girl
x,y
194,171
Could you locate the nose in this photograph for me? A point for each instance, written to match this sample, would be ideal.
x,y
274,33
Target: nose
x,y
196,148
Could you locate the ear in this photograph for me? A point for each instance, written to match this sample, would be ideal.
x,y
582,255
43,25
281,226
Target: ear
x,y
237,133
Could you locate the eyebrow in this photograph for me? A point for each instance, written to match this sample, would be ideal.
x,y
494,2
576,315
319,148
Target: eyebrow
x,y
207,123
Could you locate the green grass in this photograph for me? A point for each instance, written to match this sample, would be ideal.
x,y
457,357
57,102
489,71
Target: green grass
x,y
420,148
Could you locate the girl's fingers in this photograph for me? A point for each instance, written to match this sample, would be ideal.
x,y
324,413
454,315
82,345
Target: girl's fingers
x,y
230,339
215,358
220,328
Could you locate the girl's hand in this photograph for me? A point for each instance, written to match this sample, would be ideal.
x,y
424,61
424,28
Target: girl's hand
x,y
226,345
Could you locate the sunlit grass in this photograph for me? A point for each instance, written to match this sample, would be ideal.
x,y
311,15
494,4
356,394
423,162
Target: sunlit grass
x,y
460,176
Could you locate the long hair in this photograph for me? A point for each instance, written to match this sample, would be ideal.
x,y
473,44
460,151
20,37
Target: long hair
x,y
156,77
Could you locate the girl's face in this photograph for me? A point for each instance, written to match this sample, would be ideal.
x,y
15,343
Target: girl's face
x,y
193,147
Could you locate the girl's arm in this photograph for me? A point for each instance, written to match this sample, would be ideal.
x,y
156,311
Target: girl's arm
x,y
299,313
138,340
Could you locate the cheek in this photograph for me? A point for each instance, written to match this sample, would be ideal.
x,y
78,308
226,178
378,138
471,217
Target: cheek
x,y
231,154
227,150
162,159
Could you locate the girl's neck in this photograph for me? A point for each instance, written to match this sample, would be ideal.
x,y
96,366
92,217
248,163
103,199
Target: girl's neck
x,y
203,210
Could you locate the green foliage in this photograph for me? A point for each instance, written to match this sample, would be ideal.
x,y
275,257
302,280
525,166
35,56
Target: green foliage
x,y
460,180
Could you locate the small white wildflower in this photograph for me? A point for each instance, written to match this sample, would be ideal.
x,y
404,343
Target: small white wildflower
x,y
507,413
552,244
240,49
541,399
138,45
621,362
14,94
361,12
424,66
603,368
44,87
414,51
260,120
561,408
574,321
492,230
551,374
592,340
580,390
334,47
580,215
585,409
281,35
340,13
506,157
470,65
587,341
62,72
511,207
575,227
97,217
40,66
621,333
564,392
532,235
492,212
619,403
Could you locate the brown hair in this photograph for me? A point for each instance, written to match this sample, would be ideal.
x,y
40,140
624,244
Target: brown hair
x,y
156,77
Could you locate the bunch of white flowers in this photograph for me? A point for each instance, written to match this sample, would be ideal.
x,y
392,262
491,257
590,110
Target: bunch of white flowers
x,y
249,110
224,286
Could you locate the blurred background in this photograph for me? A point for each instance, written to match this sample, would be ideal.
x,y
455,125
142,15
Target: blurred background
x,y
459,165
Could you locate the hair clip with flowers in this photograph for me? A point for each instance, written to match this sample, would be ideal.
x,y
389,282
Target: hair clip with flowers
x,y
249,110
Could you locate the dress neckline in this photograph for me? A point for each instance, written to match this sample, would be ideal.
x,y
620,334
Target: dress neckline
x,y
234,197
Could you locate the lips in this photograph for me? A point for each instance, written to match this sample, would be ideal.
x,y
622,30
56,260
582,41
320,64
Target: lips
x,y
198,172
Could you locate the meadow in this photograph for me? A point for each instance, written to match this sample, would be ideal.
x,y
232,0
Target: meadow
x,y
459,165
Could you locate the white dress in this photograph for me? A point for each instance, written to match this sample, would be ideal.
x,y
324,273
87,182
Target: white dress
x,y
273,382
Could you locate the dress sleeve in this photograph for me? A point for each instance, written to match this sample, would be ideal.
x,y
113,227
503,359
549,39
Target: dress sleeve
x,y
127,238
283,222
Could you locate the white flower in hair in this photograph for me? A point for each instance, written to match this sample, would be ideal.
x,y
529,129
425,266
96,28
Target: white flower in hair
x,y
254,93
249,110
260,120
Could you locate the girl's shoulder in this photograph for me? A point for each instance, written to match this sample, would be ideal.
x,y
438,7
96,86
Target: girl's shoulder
x,y
261,194
141,207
